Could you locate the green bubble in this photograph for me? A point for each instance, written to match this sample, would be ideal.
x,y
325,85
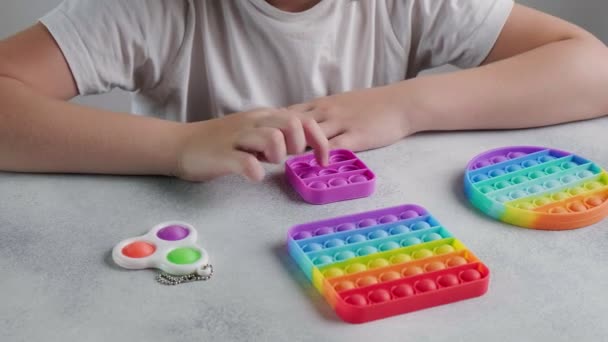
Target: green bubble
x,y
183,256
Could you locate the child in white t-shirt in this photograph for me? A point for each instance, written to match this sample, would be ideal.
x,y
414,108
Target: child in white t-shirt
x,y
291,74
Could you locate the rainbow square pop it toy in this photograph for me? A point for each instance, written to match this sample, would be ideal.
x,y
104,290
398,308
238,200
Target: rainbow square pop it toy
x,y
346,177
386,262
537,187
171,247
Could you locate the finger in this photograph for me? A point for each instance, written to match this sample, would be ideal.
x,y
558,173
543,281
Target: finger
x,y
246,165
266,140
317,140
308,110
291,127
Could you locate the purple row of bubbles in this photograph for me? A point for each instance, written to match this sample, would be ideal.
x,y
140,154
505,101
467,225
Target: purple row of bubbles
x,y
312,172
368,222
338,181
499,159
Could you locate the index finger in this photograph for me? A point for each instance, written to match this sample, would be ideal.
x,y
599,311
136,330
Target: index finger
x,y
316,139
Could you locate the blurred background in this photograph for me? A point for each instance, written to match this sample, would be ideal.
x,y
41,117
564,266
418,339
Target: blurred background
x,y
17,15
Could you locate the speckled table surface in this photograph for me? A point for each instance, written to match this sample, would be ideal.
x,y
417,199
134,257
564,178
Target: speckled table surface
x,y
58,281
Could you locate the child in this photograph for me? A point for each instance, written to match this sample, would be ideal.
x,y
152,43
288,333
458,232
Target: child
x,y
291,74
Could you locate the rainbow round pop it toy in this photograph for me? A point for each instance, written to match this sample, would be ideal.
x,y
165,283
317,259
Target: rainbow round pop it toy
x,y
170,247
536,187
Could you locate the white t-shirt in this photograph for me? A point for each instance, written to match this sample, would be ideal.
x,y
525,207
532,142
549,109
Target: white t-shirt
x,y
191,60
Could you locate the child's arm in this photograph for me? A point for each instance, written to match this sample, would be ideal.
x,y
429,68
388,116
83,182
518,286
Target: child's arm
x,y
541,71
41,132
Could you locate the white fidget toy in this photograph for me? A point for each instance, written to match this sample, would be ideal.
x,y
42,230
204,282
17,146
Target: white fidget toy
x,y
170,247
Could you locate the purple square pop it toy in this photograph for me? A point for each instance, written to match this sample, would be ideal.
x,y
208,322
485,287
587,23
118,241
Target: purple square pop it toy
x,y
346,177
171,247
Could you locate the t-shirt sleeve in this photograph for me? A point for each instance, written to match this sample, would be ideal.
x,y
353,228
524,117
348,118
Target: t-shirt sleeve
x,y
457,32
117,43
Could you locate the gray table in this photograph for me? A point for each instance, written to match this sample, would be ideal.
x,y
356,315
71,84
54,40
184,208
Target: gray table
x,y
58,281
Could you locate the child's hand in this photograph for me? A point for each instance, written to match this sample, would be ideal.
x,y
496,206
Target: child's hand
x,y
239,142
360,120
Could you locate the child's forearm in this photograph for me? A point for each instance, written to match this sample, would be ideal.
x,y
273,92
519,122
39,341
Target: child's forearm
x,y
559,82
39,134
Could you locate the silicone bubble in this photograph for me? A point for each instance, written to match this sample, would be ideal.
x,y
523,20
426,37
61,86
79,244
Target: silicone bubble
x,y
389,276
408,214
302,235
425,285
327,172
324,231
337,182
444,249
519,179
422,253
496,173
431,237
139,249
182,256
400,229
403,290
356,299
345,178
546,188
594,201
318,185
377,234
173,233
412,271
356,238
363,251
420,225
388,219
389,245
344,255
456,261
499,159
536,174
367,223
347,168
479,178
334,243
400,258
434,266
378,263
367,281
333,272
370,271
448,280
546,159
357,179
410,241
513,168
312,247
355,268
344,285
323,259
470,275
345,227
379,296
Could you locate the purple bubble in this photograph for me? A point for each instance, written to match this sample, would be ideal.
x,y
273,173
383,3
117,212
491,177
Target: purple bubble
x,y
345,226
367,223
173,233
